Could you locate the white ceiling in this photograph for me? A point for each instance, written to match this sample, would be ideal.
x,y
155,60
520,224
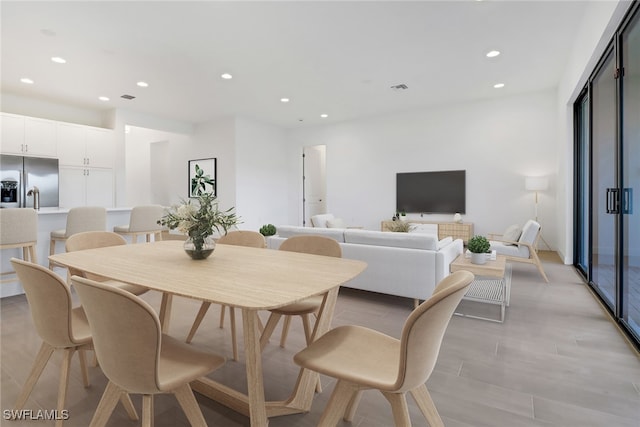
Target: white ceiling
x,y
333,57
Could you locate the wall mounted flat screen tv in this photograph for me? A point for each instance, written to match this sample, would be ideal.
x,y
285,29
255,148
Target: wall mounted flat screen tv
x,y
431,192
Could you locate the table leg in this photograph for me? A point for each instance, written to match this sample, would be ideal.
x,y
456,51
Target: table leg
x,y
253,361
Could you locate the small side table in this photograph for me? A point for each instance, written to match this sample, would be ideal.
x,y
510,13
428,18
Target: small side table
x,y
492,284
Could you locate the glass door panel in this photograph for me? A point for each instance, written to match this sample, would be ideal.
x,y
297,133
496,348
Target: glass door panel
x,y
604,169
582,185
630,285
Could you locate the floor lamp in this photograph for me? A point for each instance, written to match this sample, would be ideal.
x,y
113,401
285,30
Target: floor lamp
x,y
535,184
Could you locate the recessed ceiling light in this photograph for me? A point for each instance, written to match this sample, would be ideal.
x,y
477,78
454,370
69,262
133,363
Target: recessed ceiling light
x,y
103,98
226,76
143,84
498,85
285,100
26,80
493,53
324,116
58,60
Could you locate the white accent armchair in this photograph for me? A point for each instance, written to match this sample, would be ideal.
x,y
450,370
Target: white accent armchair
x,y
521,249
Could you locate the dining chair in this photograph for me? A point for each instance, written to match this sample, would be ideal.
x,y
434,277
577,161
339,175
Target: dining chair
x,y
143,221
60,326
136,357
361,358
94,240
84,218
310,244
19,229
238,238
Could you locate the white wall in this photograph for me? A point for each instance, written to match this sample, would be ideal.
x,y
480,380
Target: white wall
x,y
498,142
217,139
261,174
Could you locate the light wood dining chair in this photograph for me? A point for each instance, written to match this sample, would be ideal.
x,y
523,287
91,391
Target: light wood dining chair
x,y
143,221
60,326
310,244
19,229
361,358
84,218
239,238
136,356
94,240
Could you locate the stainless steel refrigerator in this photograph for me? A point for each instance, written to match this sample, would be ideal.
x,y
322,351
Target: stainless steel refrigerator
x,y
20,174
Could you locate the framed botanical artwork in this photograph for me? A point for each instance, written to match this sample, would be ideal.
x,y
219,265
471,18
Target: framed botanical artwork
x,y
202,177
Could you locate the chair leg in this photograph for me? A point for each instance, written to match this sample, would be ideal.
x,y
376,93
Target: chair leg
x,y
128,406
268,329
106,406
222,310
306,324
147,410
285,330
52,250
400,409
64,381
538,264
350,412
189,405
338,403
196,323
234,340
44,354
427,407
82,355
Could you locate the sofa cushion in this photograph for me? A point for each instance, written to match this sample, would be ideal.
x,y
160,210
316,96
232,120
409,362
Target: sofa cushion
x,y
292,230
423,228
336,223
321,220
396,240
512,233
529,232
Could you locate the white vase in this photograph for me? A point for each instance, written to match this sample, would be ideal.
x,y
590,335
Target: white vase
x,y
478,258
457,217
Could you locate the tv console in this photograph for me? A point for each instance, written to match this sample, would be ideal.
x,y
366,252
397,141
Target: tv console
x,y
457,230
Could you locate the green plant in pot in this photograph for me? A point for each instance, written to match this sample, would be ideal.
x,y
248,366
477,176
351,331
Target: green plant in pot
x,y
268,230
478,246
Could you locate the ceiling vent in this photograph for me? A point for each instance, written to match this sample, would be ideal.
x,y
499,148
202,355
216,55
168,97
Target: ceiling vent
x,y
400,87
128,97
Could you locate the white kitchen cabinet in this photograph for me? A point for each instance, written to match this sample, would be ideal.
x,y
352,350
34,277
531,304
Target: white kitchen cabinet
x,y
12,134
85,146
80,186
40,137
28,136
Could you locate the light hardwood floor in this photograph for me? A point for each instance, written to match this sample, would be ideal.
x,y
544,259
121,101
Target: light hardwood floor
x,y
557,360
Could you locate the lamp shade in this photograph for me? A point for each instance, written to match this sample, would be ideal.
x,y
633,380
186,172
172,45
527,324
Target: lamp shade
x,y
536,183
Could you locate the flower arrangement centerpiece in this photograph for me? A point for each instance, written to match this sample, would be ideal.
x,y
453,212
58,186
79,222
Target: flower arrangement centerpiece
x,y
198,220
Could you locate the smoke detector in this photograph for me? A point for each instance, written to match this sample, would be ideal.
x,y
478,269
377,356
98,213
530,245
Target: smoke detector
x,y
400,87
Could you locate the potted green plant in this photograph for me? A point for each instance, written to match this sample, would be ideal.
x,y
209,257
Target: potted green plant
x,y
478,246
268,230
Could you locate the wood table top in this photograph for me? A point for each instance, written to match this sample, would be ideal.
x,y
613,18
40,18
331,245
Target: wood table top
x,y
233,275
492,268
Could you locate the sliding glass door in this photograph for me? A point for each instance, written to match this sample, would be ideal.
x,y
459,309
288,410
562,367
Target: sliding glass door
x,y
630,89
607,177
603,179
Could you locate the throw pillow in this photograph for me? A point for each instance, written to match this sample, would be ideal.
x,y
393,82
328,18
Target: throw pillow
x,y
336,223
512,233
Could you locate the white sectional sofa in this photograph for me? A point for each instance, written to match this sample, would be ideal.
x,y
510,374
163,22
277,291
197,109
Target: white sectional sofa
x,y
403,264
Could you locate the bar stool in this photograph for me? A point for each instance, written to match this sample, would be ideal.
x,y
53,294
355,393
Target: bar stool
x,y
85,218
143,221
19,229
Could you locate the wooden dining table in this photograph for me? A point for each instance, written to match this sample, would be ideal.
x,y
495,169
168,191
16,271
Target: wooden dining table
x,y
249,279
